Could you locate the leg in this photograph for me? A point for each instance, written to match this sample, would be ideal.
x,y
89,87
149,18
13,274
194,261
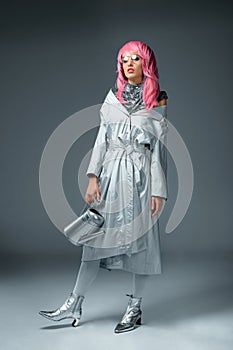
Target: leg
x,y
86,275
133,313
139,283
72,307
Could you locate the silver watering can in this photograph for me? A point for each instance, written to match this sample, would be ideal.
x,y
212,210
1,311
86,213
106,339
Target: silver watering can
x,y
86,227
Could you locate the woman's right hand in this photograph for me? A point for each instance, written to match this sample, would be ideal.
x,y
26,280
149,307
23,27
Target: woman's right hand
x,y
92,190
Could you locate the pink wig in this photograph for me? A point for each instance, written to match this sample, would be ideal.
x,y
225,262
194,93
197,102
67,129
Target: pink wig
x,y
151,89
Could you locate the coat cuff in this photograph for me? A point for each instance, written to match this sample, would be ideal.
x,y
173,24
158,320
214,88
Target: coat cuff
x,y
93,172
159,185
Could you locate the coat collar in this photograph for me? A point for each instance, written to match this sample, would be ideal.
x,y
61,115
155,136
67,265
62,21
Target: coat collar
x,y
156,112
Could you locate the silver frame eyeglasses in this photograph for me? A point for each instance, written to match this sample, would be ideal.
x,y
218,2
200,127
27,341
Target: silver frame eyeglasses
x,y
134,57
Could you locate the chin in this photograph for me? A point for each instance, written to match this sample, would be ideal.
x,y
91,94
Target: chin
x,y
131,76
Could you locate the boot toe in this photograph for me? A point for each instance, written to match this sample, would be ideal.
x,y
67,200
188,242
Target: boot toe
x,y
45,313
123,327
42,313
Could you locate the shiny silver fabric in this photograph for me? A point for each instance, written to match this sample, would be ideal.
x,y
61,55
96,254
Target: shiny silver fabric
x,y
72,308
85,227
132,315
127,180
132,151
133,97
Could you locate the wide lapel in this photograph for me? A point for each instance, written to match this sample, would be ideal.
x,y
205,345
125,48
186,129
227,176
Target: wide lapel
x,y
156,112
114,100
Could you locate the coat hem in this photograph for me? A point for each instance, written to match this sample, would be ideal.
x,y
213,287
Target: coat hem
x,y
108,267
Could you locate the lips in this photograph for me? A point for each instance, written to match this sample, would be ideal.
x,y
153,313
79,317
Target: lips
x,y
130,70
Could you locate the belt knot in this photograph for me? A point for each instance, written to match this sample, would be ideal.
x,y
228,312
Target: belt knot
x,y
129,149
134,152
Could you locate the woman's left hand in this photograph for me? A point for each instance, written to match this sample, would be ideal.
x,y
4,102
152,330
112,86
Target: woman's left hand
x,y
156,205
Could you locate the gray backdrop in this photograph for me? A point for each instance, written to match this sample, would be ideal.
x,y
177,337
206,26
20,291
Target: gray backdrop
x,y
58,59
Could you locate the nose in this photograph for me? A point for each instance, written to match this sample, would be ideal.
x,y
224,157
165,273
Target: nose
x,y
130,62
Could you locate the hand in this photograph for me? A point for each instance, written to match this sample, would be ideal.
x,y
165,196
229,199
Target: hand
x,y
156,205
92,190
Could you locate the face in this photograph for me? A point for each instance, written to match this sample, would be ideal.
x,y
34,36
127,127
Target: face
x,y
132,67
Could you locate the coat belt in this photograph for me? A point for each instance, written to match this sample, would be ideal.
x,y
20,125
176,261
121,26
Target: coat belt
x,y
133,151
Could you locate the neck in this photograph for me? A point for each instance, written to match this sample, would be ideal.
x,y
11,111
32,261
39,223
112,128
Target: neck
x,y
135,81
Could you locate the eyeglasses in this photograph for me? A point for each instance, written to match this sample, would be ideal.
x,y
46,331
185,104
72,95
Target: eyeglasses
x,y
133,57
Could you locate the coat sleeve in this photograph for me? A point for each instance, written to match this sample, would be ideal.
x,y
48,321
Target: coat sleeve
x,y
99,150
158,166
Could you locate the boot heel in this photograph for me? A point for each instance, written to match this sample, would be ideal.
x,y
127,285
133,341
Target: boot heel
x,y
131,317
71,308
75,322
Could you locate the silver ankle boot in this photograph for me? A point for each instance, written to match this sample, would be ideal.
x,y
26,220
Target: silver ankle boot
x,y
72,308
132,316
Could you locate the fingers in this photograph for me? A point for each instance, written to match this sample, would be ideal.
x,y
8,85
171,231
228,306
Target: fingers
x,y
154,212
98,194
90,197
156,206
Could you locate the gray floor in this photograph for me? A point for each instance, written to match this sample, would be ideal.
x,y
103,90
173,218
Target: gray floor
x,y
189,306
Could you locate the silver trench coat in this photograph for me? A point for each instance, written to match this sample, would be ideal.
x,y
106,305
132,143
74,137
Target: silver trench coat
x,y
129,173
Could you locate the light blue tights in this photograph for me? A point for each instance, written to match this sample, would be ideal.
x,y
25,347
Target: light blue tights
x,y
88,272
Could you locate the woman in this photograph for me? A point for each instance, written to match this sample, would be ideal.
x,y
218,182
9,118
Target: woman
x,y
128,172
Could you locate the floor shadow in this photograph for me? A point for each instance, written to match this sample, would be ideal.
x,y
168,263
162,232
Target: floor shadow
x,y
57,326
190,305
